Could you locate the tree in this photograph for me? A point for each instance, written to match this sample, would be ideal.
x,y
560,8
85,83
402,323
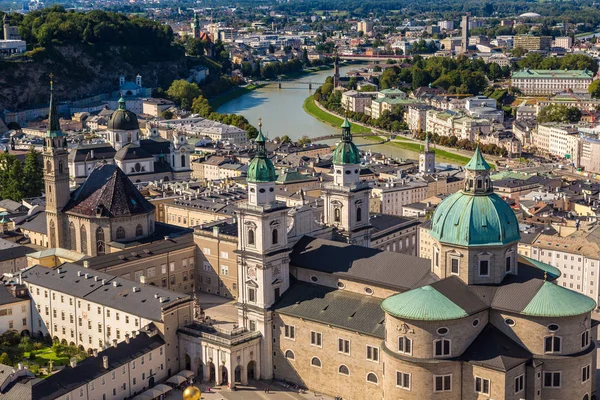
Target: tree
x,y
11,177
201,106
304,140
559,113
194,47
305,59
286,139
271,49
594,89
33,174
5,359
167,114
183,92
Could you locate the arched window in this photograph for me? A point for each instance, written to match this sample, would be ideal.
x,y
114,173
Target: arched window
x,y
337,215
52,235
48,167
251,240
315,362
343,370
120,233
358,214
100,241
72,237
183,161
371,377
275,236
139,231
83,239
290,355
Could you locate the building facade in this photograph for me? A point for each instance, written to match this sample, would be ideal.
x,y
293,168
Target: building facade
x,y
550,82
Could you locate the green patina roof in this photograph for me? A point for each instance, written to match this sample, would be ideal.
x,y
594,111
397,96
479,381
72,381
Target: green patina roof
x,y
466,219
555,272
552,300
422,304
553,74
346,151
261,169
477,162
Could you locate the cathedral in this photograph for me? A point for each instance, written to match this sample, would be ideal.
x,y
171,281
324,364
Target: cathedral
x,y
477,321
141,159
106,207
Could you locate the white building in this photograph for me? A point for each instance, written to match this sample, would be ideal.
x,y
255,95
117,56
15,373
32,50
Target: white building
x,y
550,82
390,197
356,101
560,140
449,123
14,309
9,47
566,42
200,127
446,25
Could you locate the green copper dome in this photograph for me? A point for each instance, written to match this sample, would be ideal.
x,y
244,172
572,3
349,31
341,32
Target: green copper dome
x,y
123,119
475,216
346,151
422,304
261,169
552,300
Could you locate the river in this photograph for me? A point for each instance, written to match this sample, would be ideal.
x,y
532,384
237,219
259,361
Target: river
x,y
282,113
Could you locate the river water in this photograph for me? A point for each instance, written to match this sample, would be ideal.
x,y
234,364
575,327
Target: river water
x,y
282,113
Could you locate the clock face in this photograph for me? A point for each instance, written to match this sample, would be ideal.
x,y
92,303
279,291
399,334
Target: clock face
x,y
183,150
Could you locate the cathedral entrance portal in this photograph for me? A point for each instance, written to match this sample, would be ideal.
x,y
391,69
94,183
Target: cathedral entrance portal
x,y
251,369
237,375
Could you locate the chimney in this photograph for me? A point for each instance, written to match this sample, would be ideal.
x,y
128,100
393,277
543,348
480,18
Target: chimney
x,y
135,289
105,362
86,263
127,338
73,362
143,280
95,352
20,366
115,283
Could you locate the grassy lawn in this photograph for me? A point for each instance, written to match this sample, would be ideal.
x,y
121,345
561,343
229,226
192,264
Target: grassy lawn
x,y
43,356
311,108
218,101
440,155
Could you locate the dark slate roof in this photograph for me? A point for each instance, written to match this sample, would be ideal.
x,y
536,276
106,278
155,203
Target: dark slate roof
x,y
121,297
103,151
132,152
109,191
12,253
156,146
493,349
92,368
6,297
389,269
352,311
460,294
382,224
138,253
35,223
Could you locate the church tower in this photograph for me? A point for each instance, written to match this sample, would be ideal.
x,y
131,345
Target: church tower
x,y
180,152
427,159
196,26
347,198
263,253
56,175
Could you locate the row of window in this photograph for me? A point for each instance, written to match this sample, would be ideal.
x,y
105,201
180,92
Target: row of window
x,y
484,264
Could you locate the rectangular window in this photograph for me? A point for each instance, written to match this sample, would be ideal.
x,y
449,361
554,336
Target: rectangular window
x,y
403,380
442,383
404,345
585,373
484,268
224,255
454,266
372,353
224,270
206,251
163,268
585,339
519,383
344,346
442,347
482,385
552,344
552,379
172,267
289,332
316,339
508,264
251,295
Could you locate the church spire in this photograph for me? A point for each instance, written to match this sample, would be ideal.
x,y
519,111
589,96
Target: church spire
x,y
121,104
427,142
346,134
53,122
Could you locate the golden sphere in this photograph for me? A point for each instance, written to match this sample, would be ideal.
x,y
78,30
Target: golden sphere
x,y
191,393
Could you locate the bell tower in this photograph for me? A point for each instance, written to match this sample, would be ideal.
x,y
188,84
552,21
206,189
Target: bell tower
x,y
56,175
427,159
347,198
263,252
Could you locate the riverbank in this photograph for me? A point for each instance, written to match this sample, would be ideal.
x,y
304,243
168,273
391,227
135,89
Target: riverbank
x,y
311,108
234,93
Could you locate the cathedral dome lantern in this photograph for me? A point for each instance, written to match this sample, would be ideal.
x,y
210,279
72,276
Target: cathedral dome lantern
x,y
261,174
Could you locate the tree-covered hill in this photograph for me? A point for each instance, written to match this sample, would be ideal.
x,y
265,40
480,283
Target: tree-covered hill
x,y
86,52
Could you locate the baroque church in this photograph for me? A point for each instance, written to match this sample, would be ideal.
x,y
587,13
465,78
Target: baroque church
x,y
142,159
106,207
477,321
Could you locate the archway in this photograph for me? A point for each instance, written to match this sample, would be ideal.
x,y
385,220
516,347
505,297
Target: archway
x,y
237,375
25,332
212,373
252,369
224,375
151,381
188,362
